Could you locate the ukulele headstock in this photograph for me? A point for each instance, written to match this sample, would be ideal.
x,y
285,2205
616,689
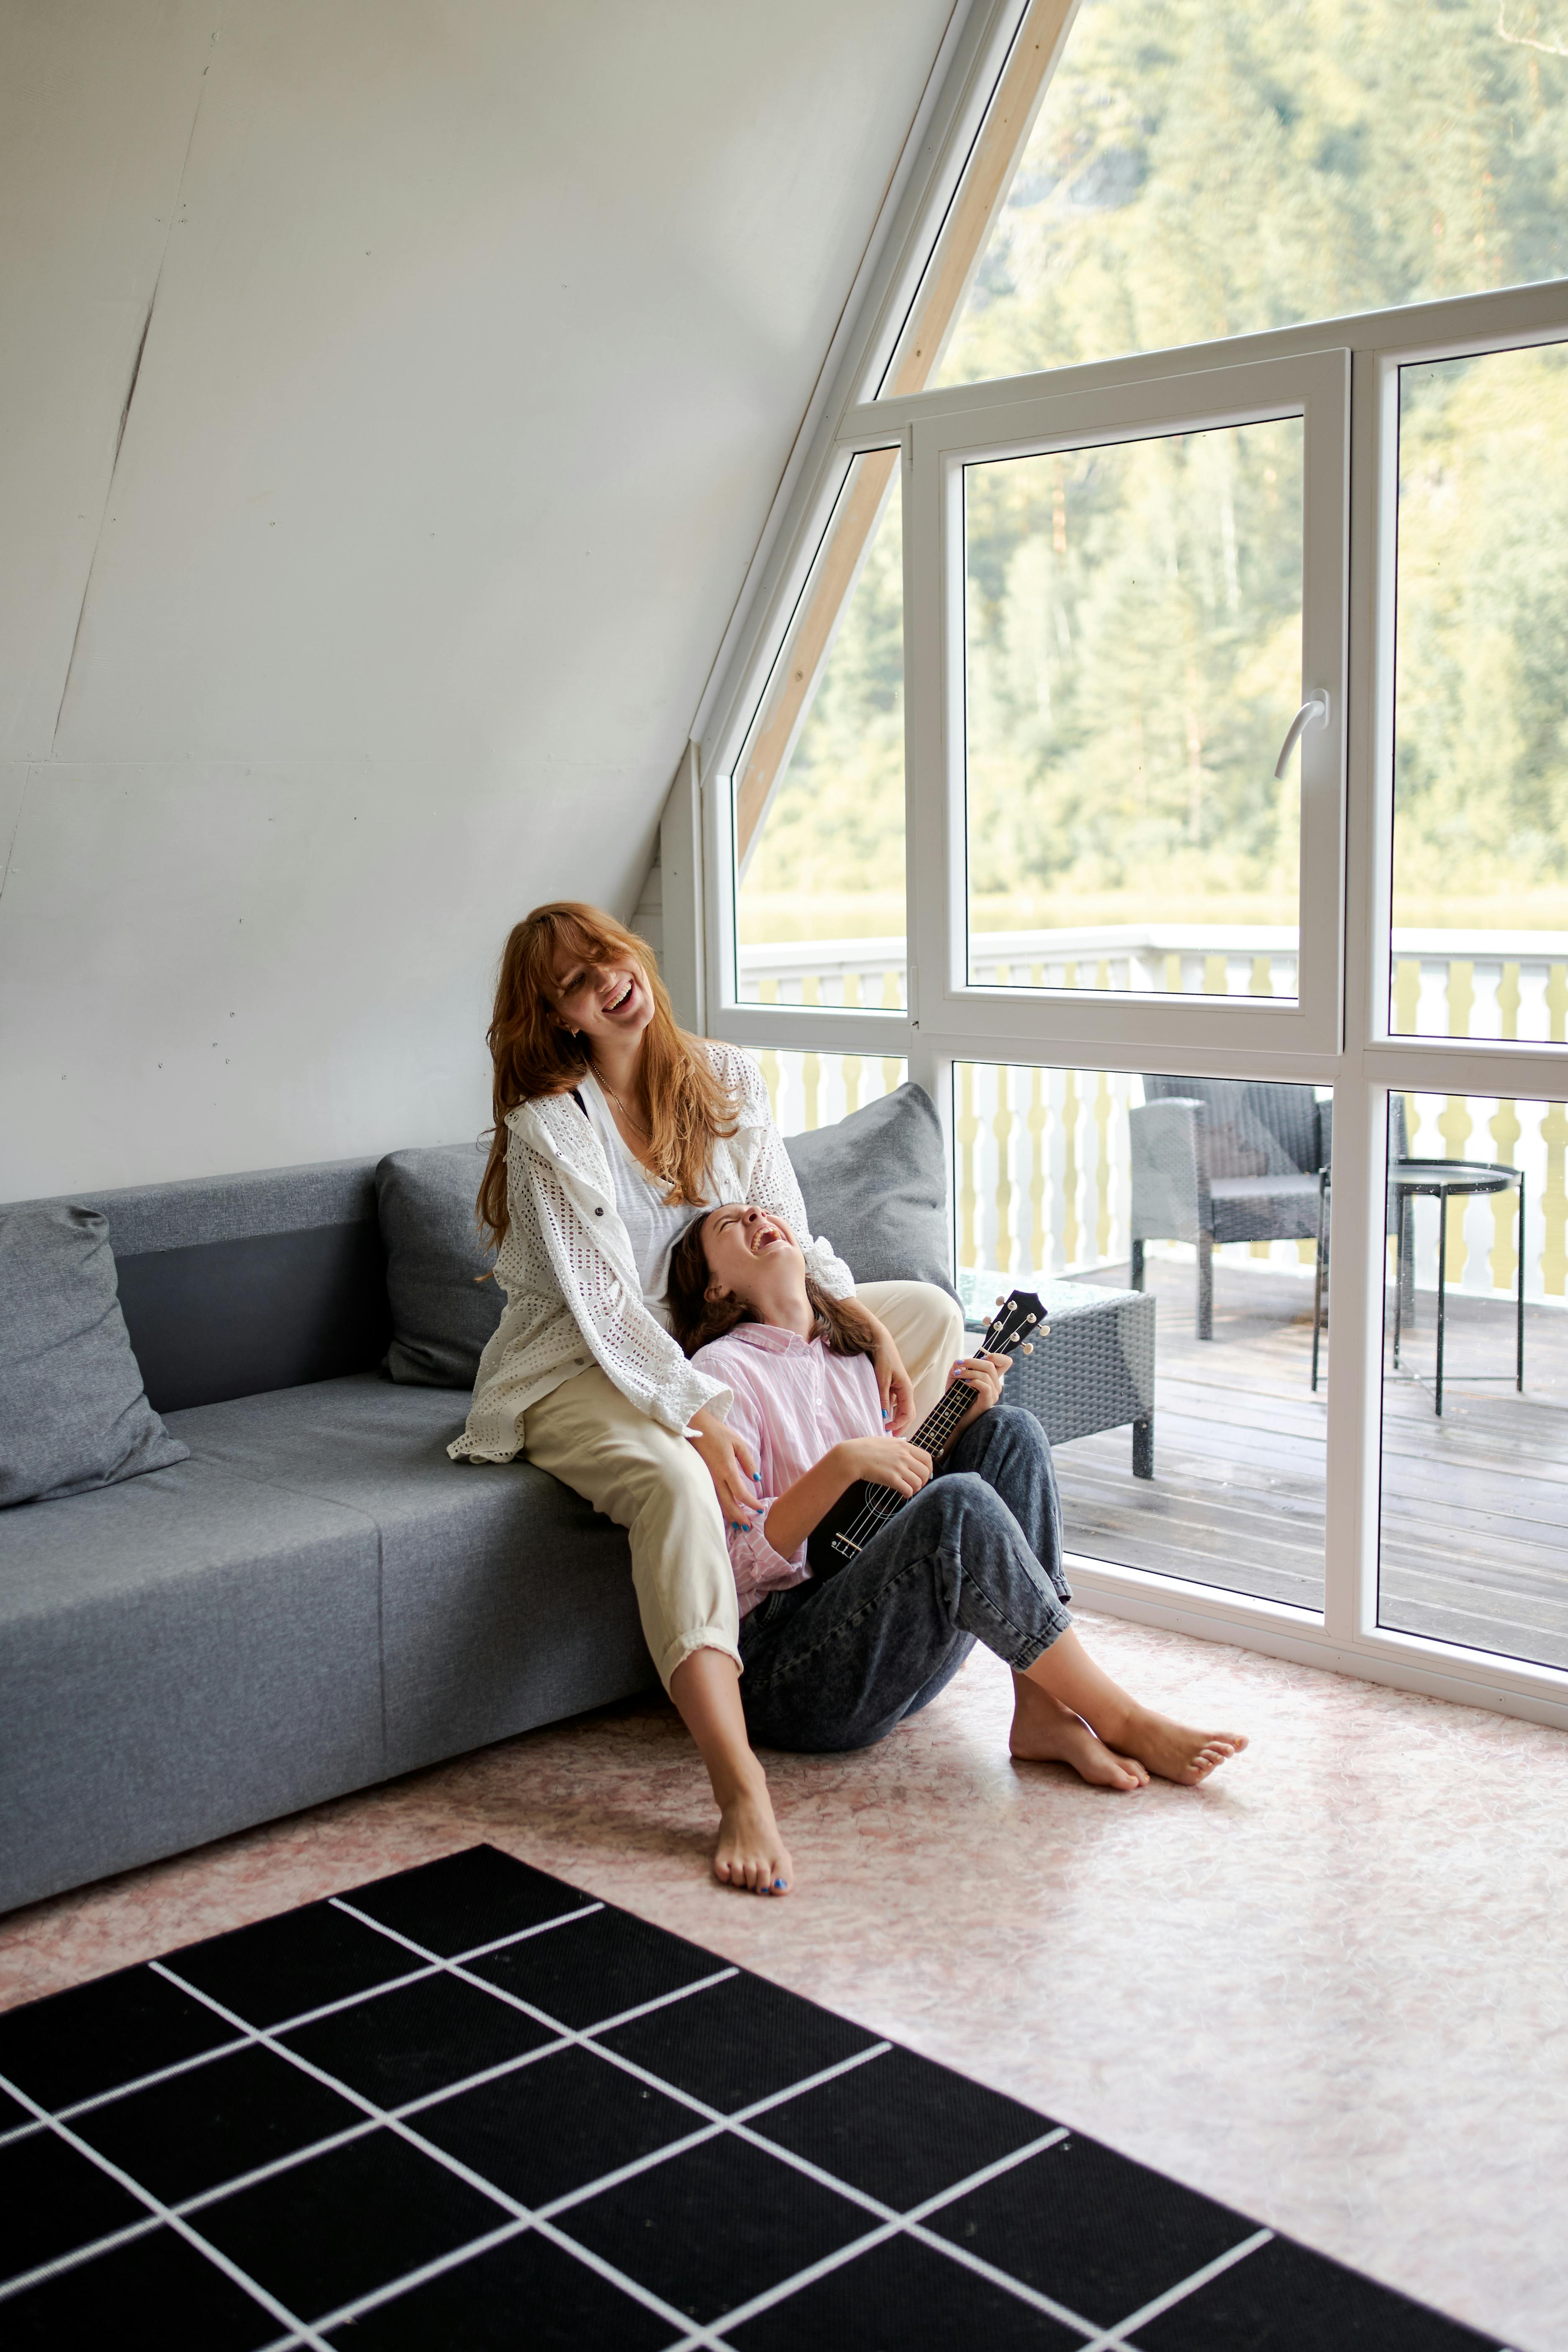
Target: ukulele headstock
x,y
1018,1322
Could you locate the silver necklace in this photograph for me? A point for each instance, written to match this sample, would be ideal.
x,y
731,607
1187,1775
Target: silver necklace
x,y
630,1117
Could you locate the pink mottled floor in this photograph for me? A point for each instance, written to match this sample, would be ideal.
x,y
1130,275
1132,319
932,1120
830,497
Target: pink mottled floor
x,y
1331,1987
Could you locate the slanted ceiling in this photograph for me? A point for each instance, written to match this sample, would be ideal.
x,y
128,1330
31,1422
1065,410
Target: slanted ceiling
x,y
392,395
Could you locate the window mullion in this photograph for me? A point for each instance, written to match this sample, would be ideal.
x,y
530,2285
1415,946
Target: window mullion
x,y
1353,1465
926,786
1355,1387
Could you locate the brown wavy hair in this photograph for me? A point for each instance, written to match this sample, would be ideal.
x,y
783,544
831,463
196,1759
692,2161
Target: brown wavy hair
x,y
533,1056
696,1318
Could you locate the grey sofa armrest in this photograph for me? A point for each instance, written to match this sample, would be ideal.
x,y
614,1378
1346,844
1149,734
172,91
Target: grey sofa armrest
x,y
1170,1190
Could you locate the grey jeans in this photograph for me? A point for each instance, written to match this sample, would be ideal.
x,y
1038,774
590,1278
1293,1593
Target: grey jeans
x,y
976,1555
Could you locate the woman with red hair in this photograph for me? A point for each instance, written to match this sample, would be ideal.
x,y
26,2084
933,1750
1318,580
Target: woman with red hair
x,y
613,1129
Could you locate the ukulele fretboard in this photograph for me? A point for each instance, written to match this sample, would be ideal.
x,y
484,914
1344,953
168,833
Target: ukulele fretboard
x,y
935,1432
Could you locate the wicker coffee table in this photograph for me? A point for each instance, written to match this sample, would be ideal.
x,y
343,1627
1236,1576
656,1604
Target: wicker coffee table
x,y
1095,1367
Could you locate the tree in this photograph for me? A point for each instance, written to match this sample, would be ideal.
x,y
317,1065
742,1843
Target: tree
x,y
1201,169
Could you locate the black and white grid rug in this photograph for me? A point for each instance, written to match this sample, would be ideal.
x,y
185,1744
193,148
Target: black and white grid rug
x,y
470,2109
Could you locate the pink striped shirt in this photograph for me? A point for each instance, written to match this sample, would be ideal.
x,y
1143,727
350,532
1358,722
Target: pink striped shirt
x,y
793,1400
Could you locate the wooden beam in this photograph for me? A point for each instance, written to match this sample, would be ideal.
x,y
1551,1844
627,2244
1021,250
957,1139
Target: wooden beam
x,y
853,523
997,153
987,178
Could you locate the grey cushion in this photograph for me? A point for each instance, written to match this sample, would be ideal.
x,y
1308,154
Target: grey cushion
x,y
180,1656
442,1312
506,1600
876,1186
73,1412
317,1598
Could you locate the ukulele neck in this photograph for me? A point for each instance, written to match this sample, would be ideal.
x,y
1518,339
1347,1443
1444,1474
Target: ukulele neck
x,y
935,1432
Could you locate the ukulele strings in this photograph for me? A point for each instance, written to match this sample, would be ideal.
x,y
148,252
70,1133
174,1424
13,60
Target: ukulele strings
x,y
881,1502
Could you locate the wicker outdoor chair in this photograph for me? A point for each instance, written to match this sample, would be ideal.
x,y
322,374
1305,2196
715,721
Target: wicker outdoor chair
x,y
1224,1159
1227,1160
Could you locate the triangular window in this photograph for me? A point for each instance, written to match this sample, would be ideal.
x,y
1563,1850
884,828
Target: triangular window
x,y
1202,169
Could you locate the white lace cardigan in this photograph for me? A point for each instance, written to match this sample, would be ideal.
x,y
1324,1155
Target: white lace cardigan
x,y
573,1294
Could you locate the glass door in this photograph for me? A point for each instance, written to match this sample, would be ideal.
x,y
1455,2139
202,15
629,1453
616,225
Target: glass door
x,y
1128,774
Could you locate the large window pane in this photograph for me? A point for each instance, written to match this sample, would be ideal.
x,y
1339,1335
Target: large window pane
x,y
1133,627
812,1090
1123,1200
1203,168
819,790
1480,831
1475,1494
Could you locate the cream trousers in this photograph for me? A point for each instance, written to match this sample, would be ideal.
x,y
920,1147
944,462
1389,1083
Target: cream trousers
x,y
656,1485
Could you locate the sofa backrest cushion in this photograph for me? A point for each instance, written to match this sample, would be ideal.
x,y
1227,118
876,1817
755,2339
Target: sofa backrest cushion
x,y
232,1285
73,1412
443,1309
876,1186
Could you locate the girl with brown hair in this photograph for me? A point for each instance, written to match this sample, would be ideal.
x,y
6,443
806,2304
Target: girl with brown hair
x,y
974,1555
613,1129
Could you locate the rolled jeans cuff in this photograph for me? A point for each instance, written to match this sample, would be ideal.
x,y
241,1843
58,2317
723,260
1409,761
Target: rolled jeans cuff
x,y
979,1613
1033,1648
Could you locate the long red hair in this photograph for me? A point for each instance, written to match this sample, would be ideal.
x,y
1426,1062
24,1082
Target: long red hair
x,y
533,1056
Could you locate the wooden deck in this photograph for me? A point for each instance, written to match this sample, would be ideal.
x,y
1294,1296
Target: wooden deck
x,y
1475,1506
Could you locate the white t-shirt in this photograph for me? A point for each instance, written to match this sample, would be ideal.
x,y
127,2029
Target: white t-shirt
x,y
652,1226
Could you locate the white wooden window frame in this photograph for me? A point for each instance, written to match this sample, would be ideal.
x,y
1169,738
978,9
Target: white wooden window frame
x,y
1314,386
1337,1034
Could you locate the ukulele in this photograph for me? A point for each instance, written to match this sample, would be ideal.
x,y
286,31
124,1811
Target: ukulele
x,y
863,1510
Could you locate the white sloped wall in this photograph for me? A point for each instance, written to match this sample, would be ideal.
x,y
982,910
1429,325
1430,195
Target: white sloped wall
x,y
476,338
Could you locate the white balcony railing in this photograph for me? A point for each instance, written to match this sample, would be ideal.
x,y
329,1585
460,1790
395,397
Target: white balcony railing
x,y
1041,1171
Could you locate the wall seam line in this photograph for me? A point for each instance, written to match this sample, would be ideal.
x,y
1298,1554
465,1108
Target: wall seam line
x,y
130,389
16,828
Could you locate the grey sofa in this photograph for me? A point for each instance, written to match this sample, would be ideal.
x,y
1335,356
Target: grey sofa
x,y
318,1598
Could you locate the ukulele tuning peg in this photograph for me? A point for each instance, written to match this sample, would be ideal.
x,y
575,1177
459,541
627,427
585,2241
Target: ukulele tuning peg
x,y
1000,1300
1028,1349
1028,1320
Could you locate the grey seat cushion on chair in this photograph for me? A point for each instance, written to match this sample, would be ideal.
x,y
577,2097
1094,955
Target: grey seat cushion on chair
x,y
73,1411
1264,1208
443,1311
876,1186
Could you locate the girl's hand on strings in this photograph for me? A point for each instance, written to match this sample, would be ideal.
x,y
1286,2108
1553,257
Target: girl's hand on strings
x,y
731,1467
984,1375
883,1462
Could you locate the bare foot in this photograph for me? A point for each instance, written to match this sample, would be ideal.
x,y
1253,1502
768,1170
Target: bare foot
x,y
1172,1749
751,1852
1046,1732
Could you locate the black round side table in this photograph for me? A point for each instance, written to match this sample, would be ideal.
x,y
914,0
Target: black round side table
x,y
1442,1180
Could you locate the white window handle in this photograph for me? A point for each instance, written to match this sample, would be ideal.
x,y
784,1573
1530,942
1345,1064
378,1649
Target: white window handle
x,y
1314,712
